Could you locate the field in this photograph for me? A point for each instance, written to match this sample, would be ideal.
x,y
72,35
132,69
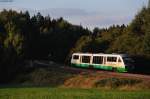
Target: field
x,y
61,82
61,93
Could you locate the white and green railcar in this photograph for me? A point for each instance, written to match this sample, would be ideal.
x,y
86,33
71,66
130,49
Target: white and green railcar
x,y
115,62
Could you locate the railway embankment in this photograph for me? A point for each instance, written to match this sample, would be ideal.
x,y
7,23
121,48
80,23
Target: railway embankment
x,y
58,75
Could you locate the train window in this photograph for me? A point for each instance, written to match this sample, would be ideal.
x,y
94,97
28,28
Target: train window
x,y
128,60
111,59
76,57
97,60
119,60
85,59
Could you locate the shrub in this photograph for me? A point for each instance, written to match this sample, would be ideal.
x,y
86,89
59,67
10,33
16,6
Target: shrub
x,y
116,82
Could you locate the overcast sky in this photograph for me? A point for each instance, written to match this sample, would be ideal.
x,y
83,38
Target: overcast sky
x,y
89,13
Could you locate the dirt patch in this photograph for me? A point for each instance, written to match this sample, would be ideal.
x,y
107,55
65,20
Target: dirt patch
x,y
107,79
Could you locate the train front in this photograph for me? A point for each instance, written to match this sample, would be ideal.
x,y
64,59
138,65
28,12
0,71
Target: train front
x,y
129,63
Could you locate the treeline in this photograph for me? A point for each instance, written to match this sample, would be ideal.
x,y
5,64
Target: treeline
x,y
133,39
23,37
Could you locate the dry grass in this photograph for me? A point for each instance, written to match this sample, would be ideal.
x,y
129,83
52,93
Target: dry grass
x,y
56,76
96,80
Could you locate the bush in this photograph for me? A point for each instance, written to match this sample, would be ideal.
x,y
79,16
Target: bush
x,y
116,82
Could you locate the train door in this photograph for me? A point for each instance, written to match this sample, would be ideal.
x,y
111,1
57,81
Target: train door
x,y
104,60
120,62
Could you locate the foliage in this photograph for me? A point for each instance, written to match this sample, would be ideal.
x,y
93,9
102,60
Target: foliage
x,y
135,36
29,38
53,77
132,39
117,82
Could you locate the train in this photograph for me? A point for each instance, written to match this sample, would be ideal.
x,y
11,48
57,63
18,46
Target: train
x,y
112,62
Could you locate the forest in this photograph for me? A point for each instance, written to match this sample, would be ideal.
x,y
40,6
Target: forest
x,y
24,37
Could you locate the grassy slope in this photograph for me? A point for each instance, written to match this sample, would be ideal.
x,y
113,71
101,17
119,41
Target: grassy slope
x,y
58,76
59,93
74,80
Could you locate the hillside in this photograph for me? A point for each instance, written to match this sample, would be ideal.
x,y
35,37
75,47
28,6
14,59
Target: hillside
x,y
56,75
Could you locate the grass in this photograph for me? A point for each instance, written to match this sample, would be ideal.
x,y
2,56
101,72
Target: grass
x,y
43,76
66,84
57,76
61,93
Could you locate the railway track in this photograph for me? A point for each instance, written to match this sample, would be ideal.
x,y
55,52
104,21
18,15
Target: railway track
x,y
86,70
91,71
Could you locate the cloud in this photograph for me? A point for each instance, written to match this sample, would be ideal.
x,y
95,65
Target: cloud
x,y
100,20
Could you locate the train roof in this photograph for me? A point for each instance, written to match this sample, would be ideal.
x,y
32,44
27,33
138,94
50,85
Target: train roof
x,y
101,54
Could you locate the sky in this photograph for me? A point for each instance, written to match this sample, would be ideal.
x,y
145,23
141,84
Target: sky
x,y
88,13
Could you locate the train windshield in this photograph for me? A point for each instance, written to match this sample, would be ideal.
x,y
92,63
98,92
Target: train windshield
x,y
128,60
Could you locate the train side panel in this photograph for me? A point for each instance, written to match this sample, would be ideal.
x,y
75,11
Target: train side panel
x,y
99,61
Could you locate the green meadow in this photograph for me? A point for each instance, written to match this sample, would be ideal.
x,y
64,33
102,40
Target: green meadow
x,y
68,93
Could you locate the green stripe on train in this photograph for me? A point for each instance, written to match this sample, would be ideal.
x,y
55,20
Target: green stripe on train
x,y
118,69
